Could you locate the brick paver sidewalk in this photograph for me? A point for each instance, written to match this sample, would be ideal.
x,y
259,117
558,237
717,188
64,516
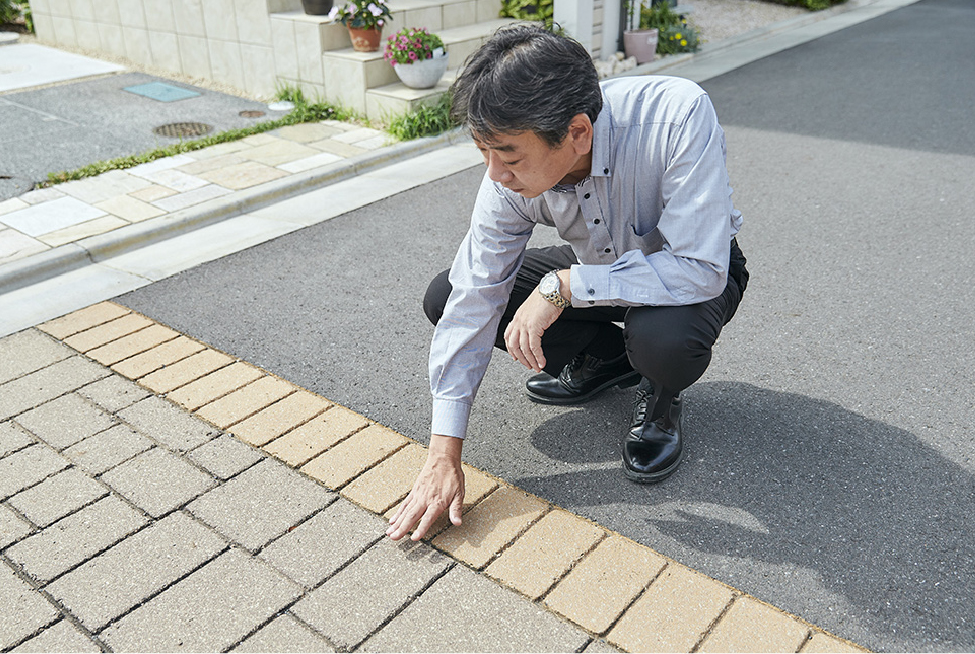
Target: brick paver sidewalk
x,y
156,494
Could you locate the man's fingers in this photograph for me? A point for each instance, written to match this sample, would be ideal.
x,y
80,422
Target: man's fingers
x,y
535,343
404,519
429,517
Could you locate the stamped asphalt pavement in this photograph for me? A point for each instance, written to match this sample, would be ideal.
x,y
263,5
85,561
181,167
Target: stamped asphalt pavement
x,y
830,467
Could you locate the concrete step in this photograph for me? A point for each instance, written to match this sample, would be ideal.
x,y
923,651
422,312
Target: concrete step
x,y
397,98
349,75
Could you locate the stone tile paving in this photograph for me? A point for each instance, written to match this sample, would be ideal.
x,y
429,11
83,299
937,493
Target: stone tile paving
x,y
128,522
47,218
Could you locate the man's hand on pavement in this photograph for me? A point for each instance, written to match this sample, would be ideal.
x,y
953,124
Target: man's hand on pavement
x,y
438,487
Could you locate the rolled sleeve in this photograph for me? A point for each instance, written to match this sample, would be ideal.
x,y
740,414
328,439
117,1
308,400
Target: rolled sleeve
x,y
450,417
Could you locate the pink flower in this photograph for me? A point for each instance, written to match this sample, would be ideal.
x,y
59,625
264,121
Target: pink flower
x,y
374,10
413,56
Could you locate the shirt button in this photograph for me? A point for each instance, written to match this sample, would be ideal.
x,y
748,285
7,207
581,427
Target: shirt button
x,y
605,171
591,302
595,222
586,196
592,291
607,250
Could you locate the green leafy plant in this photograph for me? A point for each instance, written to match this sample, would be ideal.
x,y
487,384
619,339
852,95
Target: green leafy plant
x,y
537,10
425,120
361,14
411,44
675,34
15,11
303,112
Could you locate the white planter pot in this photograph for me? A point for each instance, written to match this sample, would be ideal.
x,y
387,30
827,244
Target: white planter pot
x,y
422,74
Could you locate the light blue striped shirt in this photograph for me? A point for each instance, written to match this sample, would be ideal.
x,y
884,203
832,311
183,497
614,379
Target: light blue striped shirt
x,y
651,225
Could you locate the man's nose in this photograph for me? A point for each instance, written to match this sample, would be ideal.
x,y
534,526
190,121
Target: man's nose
x,y
497,171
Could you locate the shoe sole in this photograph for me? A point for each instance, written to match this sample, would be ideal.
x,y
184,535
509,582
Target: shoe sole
x,y
654,477
624,381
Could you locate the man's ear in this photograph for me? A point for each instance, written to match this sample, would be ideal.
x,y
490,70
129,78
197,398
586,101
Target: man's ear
x,y
580,134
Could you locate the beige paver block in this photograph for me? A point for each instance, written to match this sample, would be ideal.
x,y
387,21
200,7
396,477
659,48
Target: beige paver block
x,y
341,464
823,642
477,486
673,614
305,132
79,321
82,230
129,208
277,153
135,343
97,336
185,371
218,150
158,357
210,163
269,423
246,401
752,626
337,147
389,482
490,526
544,553
255,140
244,175
208,388
603,584
301,445
152,193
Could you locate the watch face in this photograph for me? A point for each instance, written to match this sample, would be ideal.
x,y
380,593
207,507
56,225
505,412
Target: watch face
x,y
550,284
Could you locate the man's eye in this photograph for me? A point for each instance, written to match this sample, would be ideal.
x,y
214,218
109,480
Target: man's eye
x,y
510,163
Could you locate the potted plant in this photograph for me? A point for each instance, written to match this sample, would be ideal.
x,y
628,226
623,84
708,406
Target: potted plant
x,y
316,7
364,20
639,41
417,56
675,34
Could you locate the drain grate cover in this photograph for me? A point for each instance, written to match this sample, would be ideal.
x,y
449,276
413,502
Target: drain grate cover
x,y
180,130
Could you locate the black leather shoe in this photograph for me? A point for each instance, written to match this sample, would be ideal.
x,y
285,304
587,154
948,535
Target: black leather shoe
x,y
652,450
582,379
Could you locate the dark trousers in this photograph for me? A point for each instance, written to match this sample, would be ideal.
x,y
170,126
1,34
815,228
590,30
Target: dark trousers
x,y
669,345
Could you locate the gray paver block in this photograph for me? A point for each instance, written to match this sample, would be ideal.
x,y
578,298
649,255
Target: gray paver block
x,y
27,467
114,393
46,384
57,496
27,351
260,503
211,610
465,612
107,449
354,603
324,543
225,456
12,527
24,609
136,568
74,539
168,424
157,481
12,438
61,637
285,634
599,646
64,421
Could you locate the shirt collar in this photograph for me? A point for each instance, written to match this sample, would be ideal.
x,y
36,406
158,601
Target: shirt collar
x,y
602,153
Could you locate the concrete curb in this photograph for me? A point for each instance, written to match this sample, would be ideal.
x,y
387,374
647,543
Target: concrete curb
x,y
64,258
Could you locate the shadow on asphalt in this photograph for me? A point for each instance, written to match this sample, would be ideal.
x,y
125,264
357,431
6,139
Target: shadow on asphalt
x,y
780,473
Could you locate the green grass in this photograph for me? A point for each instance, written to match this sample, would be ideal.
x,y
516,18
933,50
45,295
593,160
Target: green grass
x,y
425,120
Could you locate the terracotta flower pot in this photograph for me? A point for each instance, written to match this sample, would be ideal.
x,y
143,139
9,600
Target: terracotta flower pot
x,y
641,44
316,7
365,40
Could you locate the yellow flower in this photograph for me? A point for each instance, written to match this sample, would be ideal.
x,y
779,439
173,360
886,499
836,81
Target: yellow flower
x,y
678,36
683,41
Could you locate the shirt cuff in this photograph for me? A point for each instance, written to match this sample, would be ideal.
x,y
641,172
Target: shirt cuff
x,y
450,418
589,285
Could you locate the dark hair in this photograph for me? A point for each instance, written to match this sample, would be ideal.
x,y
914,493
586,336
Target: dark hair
x,y
526,79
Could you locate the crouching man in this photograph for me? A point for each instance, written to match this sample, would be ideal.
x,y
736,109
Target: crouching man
x,y
632,174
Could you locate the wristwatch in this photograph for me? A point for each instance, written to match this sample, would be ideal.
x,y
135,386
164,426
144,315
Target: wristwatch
x,y
549,288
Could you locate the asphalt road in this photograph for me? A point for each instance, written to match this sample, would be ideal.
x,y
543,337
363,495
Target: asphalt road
x,y
831,449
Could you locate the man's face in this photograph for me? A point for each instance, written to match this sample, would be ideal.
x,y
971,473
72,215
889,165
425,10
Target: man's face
x,y
525,164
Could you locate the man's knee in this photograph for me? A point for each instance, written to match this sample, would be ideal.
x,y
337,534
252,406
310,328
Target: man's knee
x,y
668,345
436,297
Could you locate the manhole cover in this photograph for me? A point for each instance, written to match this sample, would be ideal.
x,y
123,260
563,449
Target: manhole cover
x,y
179,130
251,113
